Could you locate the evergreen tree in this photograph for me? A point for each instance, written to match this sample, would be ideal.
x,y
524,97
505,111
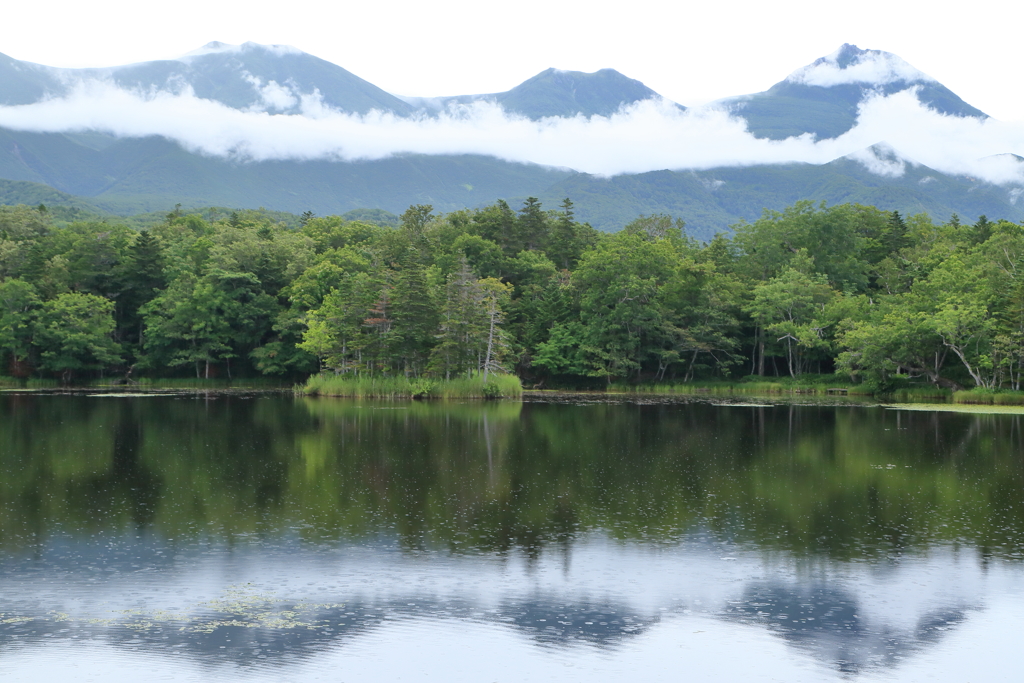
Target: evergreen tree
x,y
531,226
142,278
415,319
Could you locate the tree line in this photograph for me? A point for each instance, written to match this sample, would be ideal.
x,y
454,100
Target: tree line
x,y
851,289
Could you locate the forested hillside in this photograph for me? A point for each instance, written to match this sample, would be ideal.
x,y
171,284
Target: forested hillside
x,y
851,289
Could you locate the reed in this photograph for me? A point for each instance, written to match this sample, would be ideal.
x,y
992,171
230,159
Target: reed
x,y
496,386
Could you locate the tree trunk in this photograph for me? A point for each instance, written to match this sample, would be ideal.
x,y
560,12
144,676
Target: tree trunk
x,y
689,370
790,359
490,347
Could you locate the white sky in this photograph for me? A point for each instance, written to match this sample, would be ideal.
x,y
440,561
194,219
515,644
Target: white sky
x,y
690,52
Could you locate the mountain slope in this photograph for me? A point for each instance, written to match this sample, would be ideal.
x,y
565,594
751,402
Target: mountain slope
x,y
147,174
25,83
712,200
34,194
823,98
154,174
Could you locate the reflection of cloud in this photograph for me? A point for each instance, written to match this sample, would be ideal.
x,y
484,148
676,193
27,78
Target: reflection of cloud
x,y
648,135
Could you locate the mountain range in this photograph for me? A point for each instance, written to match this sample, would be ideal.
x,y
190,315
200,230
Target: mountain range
x,y
98,169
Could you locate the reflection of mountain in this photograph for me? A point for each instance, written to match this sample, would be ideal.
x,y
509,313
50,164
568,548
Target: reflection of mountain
x,y
349,594
823,621
547,623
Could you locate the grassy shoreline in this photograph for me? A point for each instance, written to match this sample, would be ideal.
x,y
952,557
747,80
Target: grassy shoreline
x,y
145,383
510,387
826,386
742,388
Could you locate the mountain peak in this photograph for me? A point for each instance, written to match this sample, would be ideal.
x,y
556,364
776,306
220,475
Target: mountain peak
x,y
851,64
560,92
824,97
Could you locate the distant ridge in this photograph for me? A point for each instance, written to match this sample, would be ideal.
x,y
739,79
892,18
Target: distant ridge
x,y
284,79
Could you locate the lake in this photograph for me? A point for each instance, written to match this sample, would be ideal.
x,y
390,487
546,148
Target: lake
x,y
265,537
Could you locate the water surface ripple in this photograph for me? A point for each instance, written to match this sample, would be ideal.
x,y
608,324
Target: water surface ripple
x,y
272,538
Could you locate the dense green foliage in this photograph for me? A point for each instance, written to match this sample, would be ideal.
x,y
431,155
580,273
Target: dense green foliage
x,y
812,289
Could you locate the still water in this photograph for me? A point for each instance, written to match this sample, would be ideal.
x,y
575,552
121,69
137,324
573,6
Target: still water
x,y
272,538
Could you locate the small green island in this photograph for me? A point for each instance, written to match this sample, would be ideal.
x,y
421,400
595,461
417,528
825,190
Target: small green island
x,y
845,299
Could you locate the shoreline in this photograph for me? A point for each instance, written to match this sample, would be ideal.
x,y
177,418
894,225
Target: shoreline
x,y
747,400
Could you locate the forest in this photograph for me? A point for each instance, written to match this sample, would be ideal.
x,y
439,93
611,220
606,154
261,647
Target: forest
x,y
846,291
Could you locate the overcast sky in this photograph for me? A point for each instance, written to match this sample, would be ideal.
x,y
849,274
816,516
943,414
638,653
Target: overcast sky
x,y
689,52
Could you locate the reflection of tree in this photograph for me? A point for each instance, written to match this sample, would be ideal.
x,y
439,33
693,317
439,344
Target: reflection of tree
x,y
127,485
839,481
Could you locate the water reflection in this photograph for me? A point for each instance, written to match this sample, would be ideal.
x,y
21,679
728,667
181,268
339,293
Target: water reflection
x,y
264,530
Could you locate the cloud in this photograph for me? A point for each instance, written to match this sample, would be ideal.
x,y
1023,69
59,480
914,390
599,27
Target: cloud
x,y
217,47
871,66
882,160
649,135
273,95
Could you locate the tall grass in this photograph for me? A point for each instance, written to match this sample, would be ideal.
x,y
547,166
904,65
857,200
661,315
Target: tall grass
x,y
10,383
496,386
989,397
